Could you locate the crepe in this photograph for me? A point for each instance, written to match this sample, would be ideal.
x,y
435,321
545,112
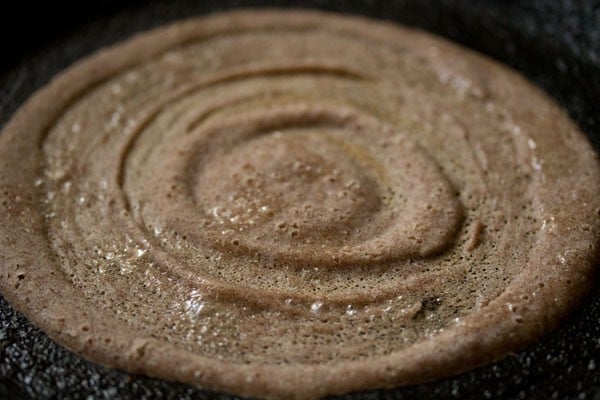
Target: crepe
x,y
288,204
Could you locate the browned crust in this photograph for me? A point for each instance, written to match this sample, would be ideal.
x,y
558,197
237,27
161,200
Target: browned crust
x,y
34,287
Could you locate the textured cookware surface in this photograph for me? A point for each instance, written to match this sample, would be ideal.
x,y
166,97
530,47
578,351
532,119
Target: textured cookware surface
x,y
556,44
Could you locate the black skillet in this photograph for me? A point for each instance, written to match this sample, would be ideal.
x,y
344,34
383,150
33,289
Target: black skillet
x,y
555,43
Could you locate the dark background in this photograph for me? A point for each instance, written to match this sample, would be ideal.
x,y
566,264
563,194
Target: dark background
x,y
555,43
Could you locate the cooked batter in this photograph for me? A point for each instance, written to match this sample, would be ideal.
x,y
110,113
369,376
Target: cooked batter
x,y
294,204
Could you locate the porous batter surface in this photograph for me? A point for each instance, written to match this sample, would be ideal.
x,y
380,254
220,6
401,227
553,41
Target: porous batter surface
x,y
294,204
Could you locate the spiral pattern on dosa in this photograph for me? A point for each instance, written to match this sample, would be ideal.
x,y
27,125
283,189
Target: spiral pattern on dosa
x,y
303,192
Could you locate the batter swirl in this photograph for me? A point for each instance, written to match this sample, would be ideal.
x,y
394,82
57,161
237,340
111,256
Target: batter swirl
x,y
294,204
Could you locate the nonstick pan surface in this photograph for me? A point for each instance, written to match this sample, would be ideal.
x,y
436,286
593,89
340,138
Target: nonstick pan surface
x,y
555,43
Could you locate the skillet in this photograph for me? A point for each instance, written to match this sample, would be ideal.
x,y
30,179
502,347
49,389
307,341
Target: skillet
x,y
554,43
